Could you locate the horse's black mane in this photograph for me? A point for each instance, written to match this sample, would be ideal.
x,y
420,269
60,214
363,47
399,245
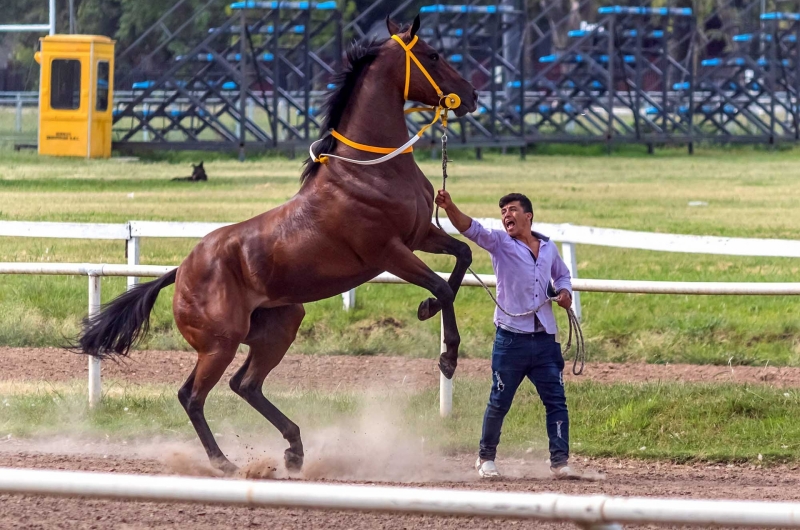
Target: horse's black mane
x,y
359,56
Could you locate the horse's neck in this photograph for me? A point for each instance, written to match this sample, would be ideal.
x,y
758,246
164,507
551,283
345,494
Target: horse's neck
x,y
374,113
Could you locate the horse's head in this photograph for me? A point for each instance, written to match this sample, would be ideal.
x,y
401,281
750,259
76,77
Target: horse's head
x,y
415,59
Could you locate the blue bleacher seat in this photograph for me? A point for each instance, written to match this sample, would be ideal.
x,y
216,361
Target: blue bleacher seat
x,y
252,4
626,58
456,58
578,33
780,16
431,32
440,8
764,62
655,34
143,85
625,10
681,86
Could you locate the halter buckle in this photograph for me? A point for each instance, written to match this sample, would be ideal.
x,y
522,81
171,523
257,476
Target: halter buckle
x,y
450,101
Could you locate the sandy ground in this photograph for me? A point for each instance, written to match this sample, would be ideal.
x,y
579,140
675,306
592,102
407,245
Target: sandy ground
x,y
329,372
622,478
619,477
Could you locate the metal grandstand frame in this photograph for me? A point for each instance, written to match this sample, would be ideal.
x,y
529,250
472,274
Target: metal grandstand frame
x,y
600,73
268,47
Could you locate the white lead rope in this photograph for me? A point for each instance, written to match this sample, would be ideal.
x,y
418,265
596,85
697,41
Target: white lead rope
x,y
385,158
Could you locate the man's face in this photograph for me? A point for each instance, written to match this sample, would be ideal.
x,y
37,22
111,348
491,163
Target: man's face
x,y
515,220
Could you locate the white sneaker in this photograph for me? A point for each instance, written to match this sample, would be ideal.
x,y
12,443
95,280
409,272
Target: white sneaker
x,y
565,473
487,469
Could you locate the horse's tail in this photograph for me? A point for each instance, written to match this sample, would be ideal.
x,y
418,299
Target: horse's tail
x,y
122,322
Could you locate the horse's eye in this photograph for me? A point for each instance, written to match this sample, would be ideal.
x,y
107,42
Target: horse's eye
x,y
434,57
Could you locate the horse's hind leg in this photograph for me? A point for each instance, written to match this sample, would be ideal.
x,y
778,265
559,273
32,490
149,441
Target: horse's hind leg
x,y
210,366
272,331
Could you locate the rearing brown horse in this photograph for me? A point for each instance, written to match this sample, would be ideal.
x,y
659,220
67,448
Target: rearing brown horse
x,y
246,283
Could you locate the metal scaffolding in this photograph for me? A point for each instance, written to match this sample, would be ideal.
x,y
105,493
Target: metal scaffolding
x,y
598,73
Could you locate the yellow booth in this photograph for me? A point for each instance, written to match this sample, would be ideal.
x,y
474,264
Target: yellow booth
x,y
75,95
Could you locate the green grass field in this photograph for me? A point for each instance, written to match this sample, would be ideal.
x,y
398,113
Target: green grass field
x,y
750,193
679,422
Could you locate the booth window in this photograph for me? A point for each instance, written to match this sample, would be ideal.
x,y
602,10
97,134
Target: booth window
x,y
65,89
102,86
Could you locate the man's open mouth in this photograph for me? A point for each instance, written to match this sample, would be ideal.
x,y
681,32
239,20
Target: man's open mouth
x,y
510,224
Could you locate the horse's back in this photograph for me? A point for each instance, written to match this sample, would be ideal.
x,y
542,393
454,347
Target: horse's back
x,y
285,255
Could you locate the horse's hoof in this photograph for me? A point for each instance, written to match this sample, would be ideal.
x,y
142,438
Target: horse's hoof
x,y
428,308
294,461
447,366
226,466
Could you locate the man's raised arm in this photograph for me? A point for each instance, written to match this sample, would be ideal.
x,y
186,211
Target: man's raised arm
x,y
461,221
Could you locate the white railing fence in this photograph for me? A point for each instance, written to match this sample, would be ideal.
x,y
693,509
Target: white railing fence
x,y
96,271
597,512
568,235
18,100
132,233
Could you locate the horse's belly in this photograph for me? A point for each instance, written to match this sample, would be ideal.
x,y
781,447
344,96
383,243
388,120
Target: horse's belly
x,y
298,287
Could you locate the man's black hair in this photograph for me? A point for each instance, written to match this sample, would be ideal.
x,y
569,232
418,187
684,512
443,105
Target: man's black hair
x,y
525,202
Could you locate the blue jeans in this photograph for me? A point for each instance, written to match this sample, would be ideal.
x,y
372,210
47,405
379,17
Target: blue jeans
x,y
538,357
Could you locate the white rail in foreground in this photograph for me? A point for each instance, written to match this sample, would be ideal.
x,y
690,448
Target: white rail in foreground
x,y
594,512
95,271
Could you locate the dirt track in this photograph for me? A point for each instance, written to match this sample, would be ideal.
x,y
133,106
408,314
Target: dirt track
x,y
622,477
326,372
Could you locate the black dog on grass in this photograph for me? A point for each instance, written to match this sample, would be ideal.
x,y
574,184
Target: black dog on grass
x,y
198,174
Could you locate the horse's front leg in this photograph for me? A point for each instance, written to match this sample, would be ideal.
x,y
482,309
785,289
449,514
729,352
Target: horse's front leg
x,y
439,242
401,261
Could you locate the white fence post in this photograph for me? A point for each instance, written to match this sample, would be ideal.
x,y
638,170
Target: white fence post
x,y
571,260
445,384
349,299
132,246
94,362
18,120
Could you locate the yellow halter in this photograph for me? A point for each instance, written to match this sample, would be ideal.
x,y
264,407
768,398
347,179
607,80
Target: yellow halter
x,y
448,102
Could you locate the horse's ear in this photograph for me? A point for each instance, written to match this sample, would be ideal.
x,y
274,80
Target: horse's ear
x,y
201,164
392,26
415,26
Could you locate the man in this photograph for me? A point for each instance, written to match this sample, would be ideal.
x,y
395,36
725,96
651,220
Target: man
x,y
525,345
